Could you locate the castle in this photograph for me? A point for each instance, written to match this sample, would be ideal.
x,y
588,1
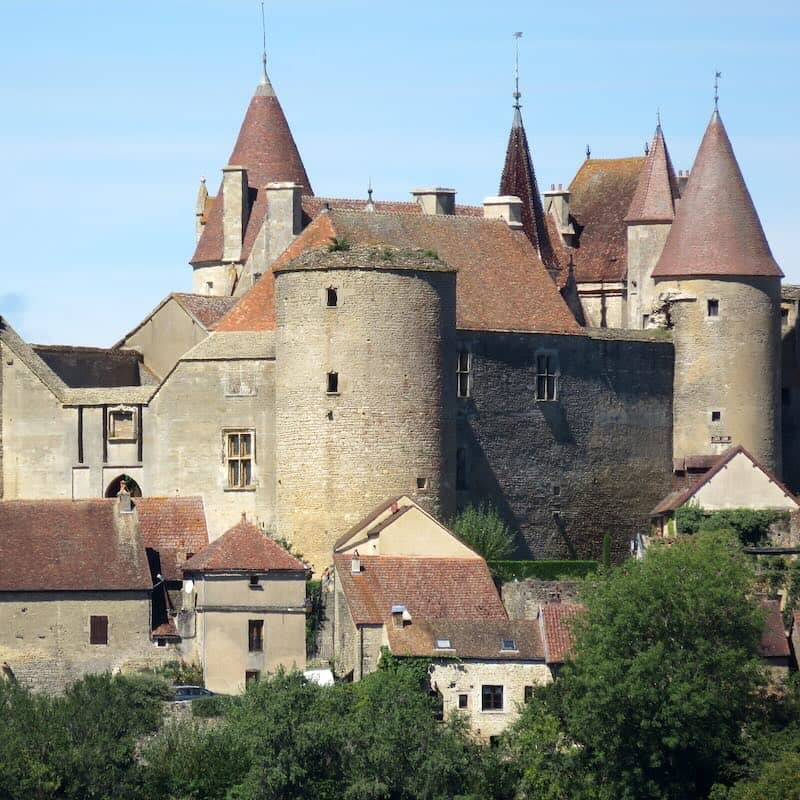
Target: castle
x,y
567,356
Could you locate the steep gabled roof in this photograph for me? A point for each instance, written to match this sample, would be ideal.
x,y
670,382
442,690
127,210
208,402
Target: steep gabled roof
x,y
501,284
657,189
246,548
601,194
555,620
455,589
519,179
266,148
70,545
206,310
716,230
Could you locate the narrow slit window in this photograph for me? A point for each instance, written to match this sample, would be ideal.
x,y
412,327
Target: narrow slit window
x,y
713,308
464,373
546,376
255,635
333,383
331,297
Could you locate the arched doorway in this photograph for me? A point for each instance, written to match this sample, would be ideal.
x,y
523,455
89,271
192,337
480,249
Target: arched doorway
x,y
133,487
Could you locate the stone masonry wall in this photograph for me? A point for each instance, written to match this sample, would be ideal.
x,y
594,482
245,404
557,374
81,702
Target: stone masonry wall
x,y
523,598
596,460
389,425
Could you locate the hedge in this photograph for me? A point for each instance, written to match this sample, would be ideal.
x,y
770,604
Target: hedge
x,y
506,571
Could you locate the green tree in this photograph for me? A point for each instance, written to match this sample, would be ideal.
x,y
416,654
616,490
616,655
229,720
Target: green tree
x,y
664,676
482,529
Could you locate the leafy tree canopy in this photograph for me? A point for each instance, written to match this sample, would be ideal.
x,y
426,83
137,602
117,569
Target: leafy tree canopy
x,y
482,529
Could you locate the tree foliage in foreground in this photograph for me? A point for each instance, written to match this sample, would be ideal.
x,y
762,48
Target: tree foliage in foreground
x,y
665,676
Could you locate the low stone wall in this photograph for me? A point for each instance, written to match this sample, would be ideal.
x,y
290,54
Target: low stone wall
x,y
523,598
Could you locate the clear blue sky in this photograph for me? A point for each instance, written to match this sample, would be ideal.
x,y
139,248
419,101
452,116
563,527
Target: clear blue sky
x,y
111,112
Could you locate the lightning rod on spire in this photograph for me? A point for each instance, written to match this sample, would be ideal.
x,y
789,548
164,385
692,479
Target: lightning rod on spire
x,y
264,78
517,95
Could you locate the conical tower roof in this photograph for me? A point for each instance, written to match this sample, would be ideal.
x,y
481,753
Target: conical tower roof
x,y
716,231
266,148
519,179
657,189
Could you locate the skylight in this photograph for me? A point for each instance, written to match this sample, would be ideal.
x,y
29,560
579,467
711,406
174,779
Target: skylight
x,y
443,644
508,644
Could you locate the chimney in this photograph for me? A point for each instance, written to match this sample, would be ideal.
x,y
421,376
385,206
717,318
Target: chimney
x,y
506,207
436,201
556,203
683,179
355,563
234,211
200,209
284,216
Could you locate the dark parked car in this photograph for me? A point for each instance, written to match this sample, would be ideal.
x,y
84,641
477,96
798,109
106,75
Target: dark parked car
x,y
191,692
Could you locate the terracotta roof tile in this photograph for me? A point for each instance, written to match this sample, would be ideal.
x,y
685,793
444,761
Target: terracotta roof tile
x,y
716,229
70,545
173,527
166,630
314,206
774,643
519,179
657,189
480,640
243,547
559,640
206,309
266,148
454,589
501,284
601,194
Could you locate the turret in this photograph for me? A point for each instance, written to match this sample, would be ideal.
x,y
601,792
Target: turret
x,y
721,290
648,222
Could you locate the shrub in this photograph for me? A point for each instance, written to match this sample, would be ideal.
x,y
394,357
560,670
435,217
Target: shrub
x,y
752,526
482,529
506,571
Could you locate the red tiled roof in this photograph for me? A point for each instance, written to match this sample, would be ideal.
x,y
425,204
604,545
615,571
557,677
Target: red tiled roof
x,y
313,206
174,527
774,643
243,547
165,630
657,189
70,545
519,179
601,194
480,640
501,283
555,619
453,589
206,309
266,148
676,499
716,229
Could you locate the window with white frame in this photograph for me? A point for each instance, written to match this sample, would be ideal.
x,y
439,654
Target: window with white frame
x,y
547,374
239,457
464,373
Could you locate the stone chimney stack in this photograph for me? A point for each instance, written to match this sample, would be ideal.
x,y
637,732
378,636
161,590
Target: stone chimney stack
x,y
556,204
200,209
234,211
436,201
284,216
505,207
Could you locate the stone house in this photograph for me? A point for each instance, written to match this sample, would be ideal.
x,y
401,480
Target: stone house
x,y
75,591
244,608
734,480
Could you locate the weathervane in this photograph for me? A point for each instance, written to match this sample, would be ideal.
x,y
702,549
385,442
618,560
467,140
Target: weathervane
x,y
263,43
517,95
717,76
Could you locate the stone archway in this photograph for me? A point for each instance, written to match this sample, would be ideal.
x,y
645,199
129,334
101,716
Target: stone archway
x,y
133,487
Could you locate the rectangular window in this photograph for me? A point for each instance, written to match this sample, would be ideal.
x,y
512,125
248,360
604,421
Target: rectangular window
x,y
463,701
239,459
461,469
463,373
255,635
122,424
422,484
254,581
491,698
331,297
528,694
713,308
333,383
716,416
98,630
251,676
546,376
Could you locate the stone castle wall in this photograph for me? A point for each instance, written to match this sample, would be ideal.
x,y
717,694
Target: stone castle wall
x,y
388,430
596,460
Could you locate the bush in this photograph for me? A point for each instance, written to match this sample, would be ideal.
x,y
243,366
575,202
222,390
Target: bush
x,y
216,706
752,526
506,571
482,529
180,673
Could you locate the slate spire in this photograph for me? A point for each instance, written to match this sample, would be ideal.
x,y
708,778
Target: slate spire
x,y
716,231
657,188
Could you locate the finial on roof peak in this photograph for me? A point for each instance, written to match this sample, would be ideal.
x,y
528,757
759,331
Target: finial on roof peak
x,y
647,148
370,205
658,119
264,86
517,93
588,152
717,76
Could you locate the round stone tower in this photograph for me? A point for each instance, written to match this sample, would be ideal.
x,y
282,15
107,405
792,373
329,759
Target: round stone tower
x,y
722,290
365,389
